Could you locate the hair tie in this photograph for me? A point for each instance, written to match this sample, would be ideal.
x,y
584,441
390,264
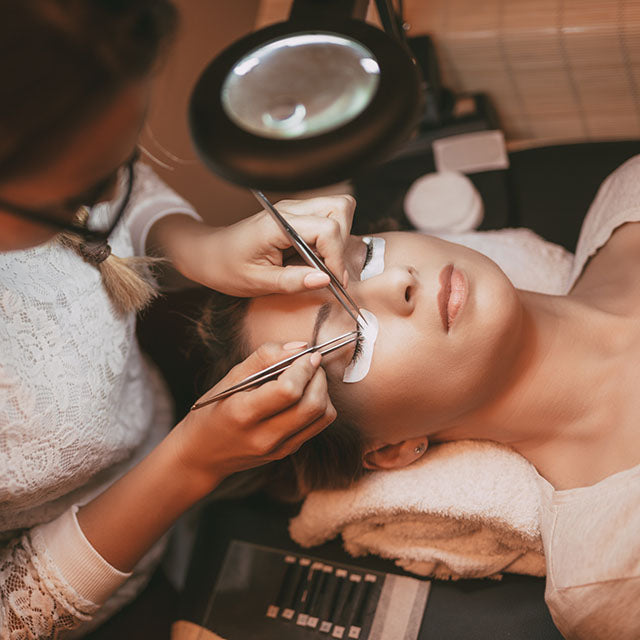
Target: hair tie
x,y
94,252
129,282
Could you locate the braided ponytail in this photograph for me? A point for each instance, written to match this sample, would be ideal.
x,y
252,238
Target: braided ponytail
x,y
129,282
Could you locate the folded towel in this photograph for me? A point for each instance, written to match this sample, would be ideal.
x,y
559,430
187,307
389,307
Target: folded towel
x,y
468,508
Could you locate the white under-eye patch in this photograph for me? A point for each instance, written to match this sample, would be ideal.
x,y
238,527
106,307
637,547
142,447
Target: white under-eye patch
x,y
375,265
359,367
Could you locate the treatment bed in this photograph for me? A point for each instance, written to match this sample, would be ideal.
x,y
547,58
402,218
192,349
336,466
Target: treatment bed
x,y
546,189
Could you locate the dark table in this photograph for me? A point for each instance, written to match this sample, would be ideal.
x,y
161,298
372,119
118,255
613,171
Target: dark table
x,y
456,610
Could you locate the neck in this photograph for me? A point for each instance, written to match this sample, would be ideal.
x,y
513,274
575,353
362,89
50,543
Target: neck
x,y
562,388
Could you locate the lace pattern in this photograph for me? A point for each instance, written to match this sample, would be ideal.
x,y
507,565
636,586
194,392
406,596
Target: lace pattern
x,y
77,406
36,604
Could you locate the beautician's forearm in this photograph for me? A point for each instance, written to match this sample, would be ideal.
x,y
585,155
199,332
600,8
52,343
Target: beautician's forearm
x,y
129,517
175,236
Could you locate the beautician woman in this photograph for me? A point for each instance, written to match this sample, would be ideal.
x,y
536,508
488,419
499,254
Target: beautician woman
x,y
91,477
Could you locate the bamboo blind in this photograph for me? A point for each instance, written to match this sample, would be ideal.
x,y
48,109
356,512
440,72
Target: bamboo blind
x,y
556,70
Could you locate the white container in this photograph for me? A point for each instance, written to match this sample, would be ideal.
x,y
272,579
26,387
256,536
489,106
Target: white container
x,y
444,201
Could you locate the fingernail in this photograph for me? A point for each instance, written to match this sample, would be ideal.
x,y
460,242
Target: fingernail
x,y
345,278
315,359
296,344
316,279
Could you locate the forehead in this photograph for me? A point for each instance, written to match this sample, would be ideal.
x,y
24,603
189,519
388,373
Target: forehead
x,y
286,317
283,318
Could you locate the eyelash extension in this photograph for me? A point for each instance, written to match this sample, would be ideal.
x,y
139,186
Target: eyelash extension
x,y
368,255
357,352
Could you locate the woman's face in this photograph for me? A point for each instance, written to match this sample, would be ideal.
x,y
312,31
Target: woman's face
x,y
437,359
90,157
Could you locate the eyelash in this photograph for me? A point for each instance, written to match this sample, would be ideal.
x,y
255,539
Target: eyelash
x,y
357,352
368,255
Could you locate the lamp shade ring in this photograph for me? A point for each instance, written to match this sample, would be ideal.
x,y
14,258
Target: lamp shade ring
x,y
295,106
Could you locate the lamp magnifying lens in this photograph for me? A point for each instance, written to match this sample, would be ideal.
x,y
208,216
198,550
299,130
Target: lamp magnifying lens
x,y
272,91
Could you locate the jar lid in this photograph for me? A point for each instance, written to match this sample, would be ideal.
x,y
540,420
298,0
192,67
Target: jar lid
x,y
444,201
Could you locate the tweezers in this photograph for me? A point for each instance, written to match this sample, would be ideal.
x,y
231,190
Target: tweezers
x,y
312,259
274,370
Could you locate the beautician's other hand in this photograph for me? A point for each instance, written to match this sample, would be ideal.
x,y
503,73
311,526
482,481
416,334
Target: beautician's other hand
x,y
246,259
253,427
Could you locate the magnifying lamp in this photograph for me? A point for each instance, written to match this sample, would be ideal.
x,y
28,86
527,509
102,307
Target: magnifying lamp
x,y
307,102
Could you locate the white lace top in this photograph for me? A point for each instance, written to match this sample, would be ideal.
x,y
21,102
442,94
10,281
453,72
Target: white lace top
x,y
78,407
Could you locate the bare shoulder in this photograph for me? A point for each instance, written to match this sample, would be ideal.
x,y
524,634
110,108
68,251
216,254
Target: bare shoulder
x,y
613,273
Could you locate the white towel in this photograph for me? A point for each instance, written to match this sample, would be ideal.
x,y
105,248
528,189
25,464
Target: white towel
x,y
468,508
529,261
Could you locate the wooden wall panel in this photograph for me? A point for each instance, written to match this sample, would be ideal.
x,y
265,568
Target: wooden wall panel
x,y
205,29
557,70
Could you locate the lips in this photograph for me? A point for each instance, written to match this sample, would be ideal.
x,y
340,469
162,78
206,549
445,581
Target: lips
x,y
452,294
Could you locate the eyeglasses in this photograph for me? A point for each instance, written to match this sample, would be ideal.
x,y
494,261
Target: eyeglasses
x,y
116,207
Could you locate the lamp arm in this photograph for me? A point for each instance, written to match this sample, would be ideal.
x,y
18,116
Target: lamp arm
x,y
311,10
390,20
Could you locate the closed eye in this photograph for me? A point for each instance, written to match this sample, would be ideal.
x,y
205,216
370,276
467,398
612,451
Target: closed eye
x,y
98,193
368,255
103,190
374,258
357,352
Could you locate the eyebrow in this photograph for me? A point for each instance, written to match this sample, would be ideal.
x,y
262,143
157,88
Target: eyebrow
x,y
323,313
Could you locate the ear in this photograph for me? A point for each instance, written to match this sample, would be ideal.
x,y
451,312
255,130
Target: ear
x,y
380,455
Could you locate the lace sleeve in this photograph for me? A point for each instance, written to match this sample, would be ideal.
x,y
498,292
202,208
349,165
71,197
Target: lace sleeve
x,y
52,580
33,604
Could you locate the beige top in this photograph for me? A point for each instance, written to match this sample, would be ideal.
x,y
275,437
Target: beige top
x,y
591,535
591,538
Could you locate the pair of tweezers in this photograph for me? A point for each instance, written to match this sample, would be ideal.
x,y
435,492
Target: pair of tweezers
x,y
312,259
276,369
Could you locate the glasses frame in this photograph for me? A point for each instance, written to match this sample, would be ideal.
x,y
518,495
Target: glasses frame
x,y
90,235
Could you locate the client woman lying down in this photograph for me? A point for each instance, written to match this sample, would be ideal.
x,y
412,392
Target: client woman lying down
x,y
453,350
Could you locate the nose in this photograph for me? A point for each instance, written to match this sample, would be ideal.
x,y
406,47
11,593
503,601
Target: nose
x,y
394,290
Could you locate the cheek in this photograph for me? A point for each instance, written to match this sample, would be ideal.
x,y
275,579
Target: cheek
x,y
390,401
421,382
496,315
483,360
20,234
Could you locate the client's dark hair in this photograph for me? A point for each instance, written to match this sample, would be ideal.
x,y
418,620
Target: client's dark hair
x,y
330,460
61,60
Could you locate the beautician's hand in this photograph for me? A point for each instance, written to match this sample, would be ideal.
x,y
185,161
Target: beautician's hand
x,y
251,428
246,259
